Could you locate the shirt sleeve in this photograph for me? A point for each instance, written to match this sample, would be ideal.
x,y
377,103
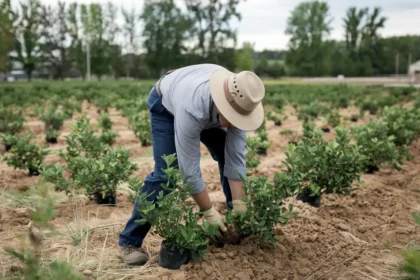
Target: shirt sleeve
x,y
187,144
235,152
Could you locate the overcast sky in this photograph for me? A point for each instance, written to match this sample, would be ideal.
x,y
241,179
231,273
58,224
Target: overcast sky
x,y
264,21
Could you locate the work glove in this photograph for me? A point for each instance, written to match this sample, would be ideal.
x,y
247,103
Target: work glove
x,y
214,218
239,207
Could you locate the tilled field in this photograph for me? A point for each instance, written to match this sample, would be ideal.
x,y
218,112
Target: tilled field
x,y
348,237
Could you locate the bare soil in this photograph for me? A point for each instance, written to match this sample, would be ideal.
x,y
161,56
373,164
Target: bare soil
x,y
348,237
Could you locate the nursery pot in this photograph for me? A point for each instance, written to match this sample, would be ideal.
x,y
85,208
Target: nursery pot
x,y
277,123
33,171
261,151
144,143
353,119
171,258
325,129
110,198
370,169
305,196
7,147
293,142
51,140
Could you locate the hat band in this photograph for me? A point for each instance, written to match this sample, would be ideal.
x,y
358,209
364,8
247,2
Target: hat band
x,y
232,101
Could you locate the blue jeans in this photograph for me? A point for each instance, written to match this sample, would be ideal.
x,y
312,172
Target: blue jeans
x,y
163,138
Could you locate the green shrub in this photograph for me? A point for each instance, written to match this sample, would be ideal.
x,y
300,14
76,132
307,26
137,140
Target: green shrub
x,y
252,144
172,219
403,124
83,141
312,111
140,124
272,116
377,147
9,139
11,120
324,166
369,105
287,132
25,155
334,118
265,209
94,175
103,175
69,106
402,93
105,122
341,102
53,119
108,136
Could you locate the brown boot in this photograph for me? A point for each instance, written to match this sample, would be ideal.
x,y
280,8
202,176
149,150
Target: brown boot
x,y
134,255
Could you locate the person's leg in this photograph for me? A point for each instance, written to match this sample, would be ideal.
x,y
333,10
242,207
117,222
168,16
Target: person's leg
x,y
162,130
214,139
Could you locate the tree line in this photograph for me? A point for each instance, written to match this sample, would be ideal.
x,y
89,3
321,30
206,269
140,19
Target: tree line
x,y
56,40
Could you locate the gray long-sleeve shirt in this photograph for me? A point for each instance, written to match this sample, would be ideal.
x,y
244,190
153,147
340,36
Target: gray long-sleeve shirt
x,y
186,94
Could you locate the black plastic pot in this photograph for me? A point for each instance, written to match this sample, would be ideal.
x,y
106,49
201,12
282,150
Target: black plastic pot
x,y
372,169
33,171
293,142
325,129
172,258
261,151
7,147
51,140
144,143
354,119
305,196
110,198
277,123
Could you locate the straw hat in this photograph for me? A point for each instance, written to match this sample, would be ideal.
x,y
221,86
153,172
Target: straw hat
x,y
238,98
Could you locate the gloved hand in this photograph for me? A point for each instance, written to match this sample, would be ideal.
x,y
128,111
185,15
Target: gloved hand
x,y
214,218
239,207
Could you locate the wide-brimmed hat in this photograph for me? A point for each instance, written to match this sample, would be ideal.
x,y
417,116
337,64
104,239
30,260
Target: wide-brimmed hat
x,y
238,98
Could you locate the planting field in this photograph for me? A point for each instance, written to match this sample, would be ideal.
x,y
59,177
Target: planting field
x,y
363,230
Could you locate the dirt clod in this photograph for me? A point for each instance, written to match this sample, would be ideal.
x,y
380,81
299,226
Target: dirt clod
x,y
304,271
248,249
242,276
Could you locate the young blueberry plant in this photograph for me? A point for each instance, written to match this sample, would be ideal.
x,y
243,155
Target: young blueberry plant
x,y
252,144
108,136
265,208
377,147
83,141
9,140
53,120
26,155
171,218
312,111
334,118
265,143
291,134
97,176
11,120
403,124
140,124
322,166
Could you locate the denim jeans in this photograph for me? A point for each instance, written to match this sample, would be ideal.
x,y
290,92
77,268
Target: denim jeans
x,y
163,138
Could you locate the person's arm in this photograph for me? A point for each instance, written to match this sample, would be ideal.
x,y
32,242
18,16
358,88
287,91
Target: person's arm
x,y
235,166
187,143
